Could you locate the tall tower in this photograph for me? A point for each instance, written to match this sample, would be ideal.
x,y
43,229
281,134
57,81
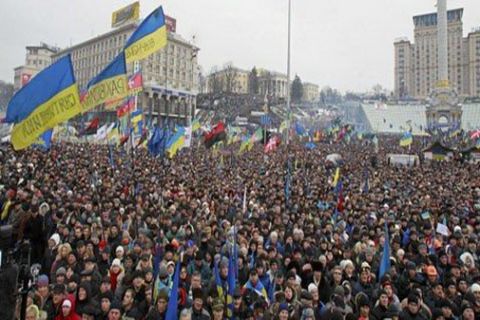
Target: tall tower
x,y
443,110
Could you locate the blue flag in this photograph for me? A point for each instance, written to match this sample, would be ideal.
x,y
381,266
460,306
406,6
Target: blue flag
x,y
287,185
310,145
155,143
231,279
385,262
45,140
299,129
172,307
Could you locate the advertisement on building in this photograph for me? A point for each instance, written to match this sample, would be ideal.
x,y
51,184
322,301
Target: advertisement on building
x,y
125,15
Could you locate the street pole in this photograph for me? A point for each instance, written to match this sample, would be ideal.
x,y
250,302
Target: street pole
x,y
288,72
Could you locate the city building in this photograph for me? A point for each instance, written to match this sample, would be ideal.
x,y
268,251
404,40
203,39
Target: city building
x,y
170,76
416,71
472,58
273,84
230,79
37,58
311,92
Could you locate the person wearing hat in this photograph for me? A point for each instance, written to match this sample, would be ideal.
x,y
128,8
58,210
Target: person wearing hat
x,y
239,307
160,306
163,281
412,310
115,312
255,284
105,300
199,265
60,275
197,310
218,309
84,299
365,281
68,311
283,312
468,311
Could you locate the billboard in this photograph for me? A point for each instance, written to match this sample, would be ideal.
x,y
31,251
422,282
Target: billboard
x,y
125,15
171,24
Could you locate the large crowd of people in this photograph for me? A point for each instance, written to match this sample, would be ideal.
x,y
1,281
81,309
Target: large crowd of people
x,y
109,234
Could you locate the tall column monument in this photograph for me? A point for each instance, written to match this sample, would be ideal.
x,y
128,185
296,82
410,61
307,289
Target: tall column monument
x,y
443,110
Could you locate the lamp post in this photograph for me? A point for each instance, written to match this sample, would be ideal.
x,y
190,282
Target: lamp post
x,y
288,72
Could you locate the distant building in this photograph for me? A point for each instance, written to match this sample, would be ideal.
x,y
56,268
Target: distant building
x,y
37,58
167,93
416,63
311,92
273,84
230,79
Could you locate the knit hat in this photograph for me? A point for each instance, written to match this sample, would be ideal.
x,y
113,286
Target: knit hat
x,y
42,280
67,303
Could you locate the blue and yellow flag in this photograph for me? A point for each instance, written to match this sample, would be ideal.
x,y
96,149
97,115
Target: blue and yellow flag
x,y
50,98
176,142
137,121
406,140
149,37
110,84
218,281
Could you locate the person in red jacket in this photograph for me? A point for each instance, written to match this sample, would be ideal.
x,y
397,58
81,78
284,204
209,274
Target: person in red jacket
x,y
68,311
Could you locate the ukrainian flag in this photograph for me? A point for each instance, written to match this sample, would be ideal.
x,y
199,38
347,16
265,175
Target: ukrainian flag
x,y
137,116
196,125
50,98
149,37
336,177
176,142
110,84
406,140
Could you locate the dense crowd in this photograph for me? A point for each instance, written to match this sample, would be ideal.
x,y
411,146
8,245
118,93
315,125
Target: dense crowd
x,y
108,237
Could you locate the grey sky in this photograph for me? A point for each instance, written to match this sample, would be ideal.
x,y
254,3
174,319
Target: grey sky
x,y
347,44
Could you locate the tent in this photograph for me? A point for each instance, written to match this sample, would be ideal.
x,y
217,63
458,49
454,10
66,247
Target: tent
x,y
335,158
472,153
403,160
437,151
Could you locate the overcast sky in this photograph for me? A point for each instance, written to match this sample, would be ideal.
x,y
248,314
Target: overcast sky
x,y
347,44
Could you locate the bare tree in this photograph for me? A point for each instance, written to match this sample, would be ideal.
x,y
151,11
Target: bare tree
x,y
230,77
214,80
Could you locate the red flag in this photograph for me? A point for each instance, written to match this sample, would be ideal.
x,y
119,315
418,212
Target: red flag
x,y
216,134
340,206
272,144
124,139
126,108
475,134
92,127
135,83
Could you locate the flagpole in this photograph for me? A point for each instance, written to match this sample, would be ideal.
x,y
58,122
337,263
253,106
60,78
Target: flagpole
x,y
288,71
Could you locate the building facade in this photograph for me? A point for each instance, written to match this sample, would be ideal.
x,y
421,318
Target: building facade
x,y
416,70
170,76
230,79
472,57
36,59
272,84
311,92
